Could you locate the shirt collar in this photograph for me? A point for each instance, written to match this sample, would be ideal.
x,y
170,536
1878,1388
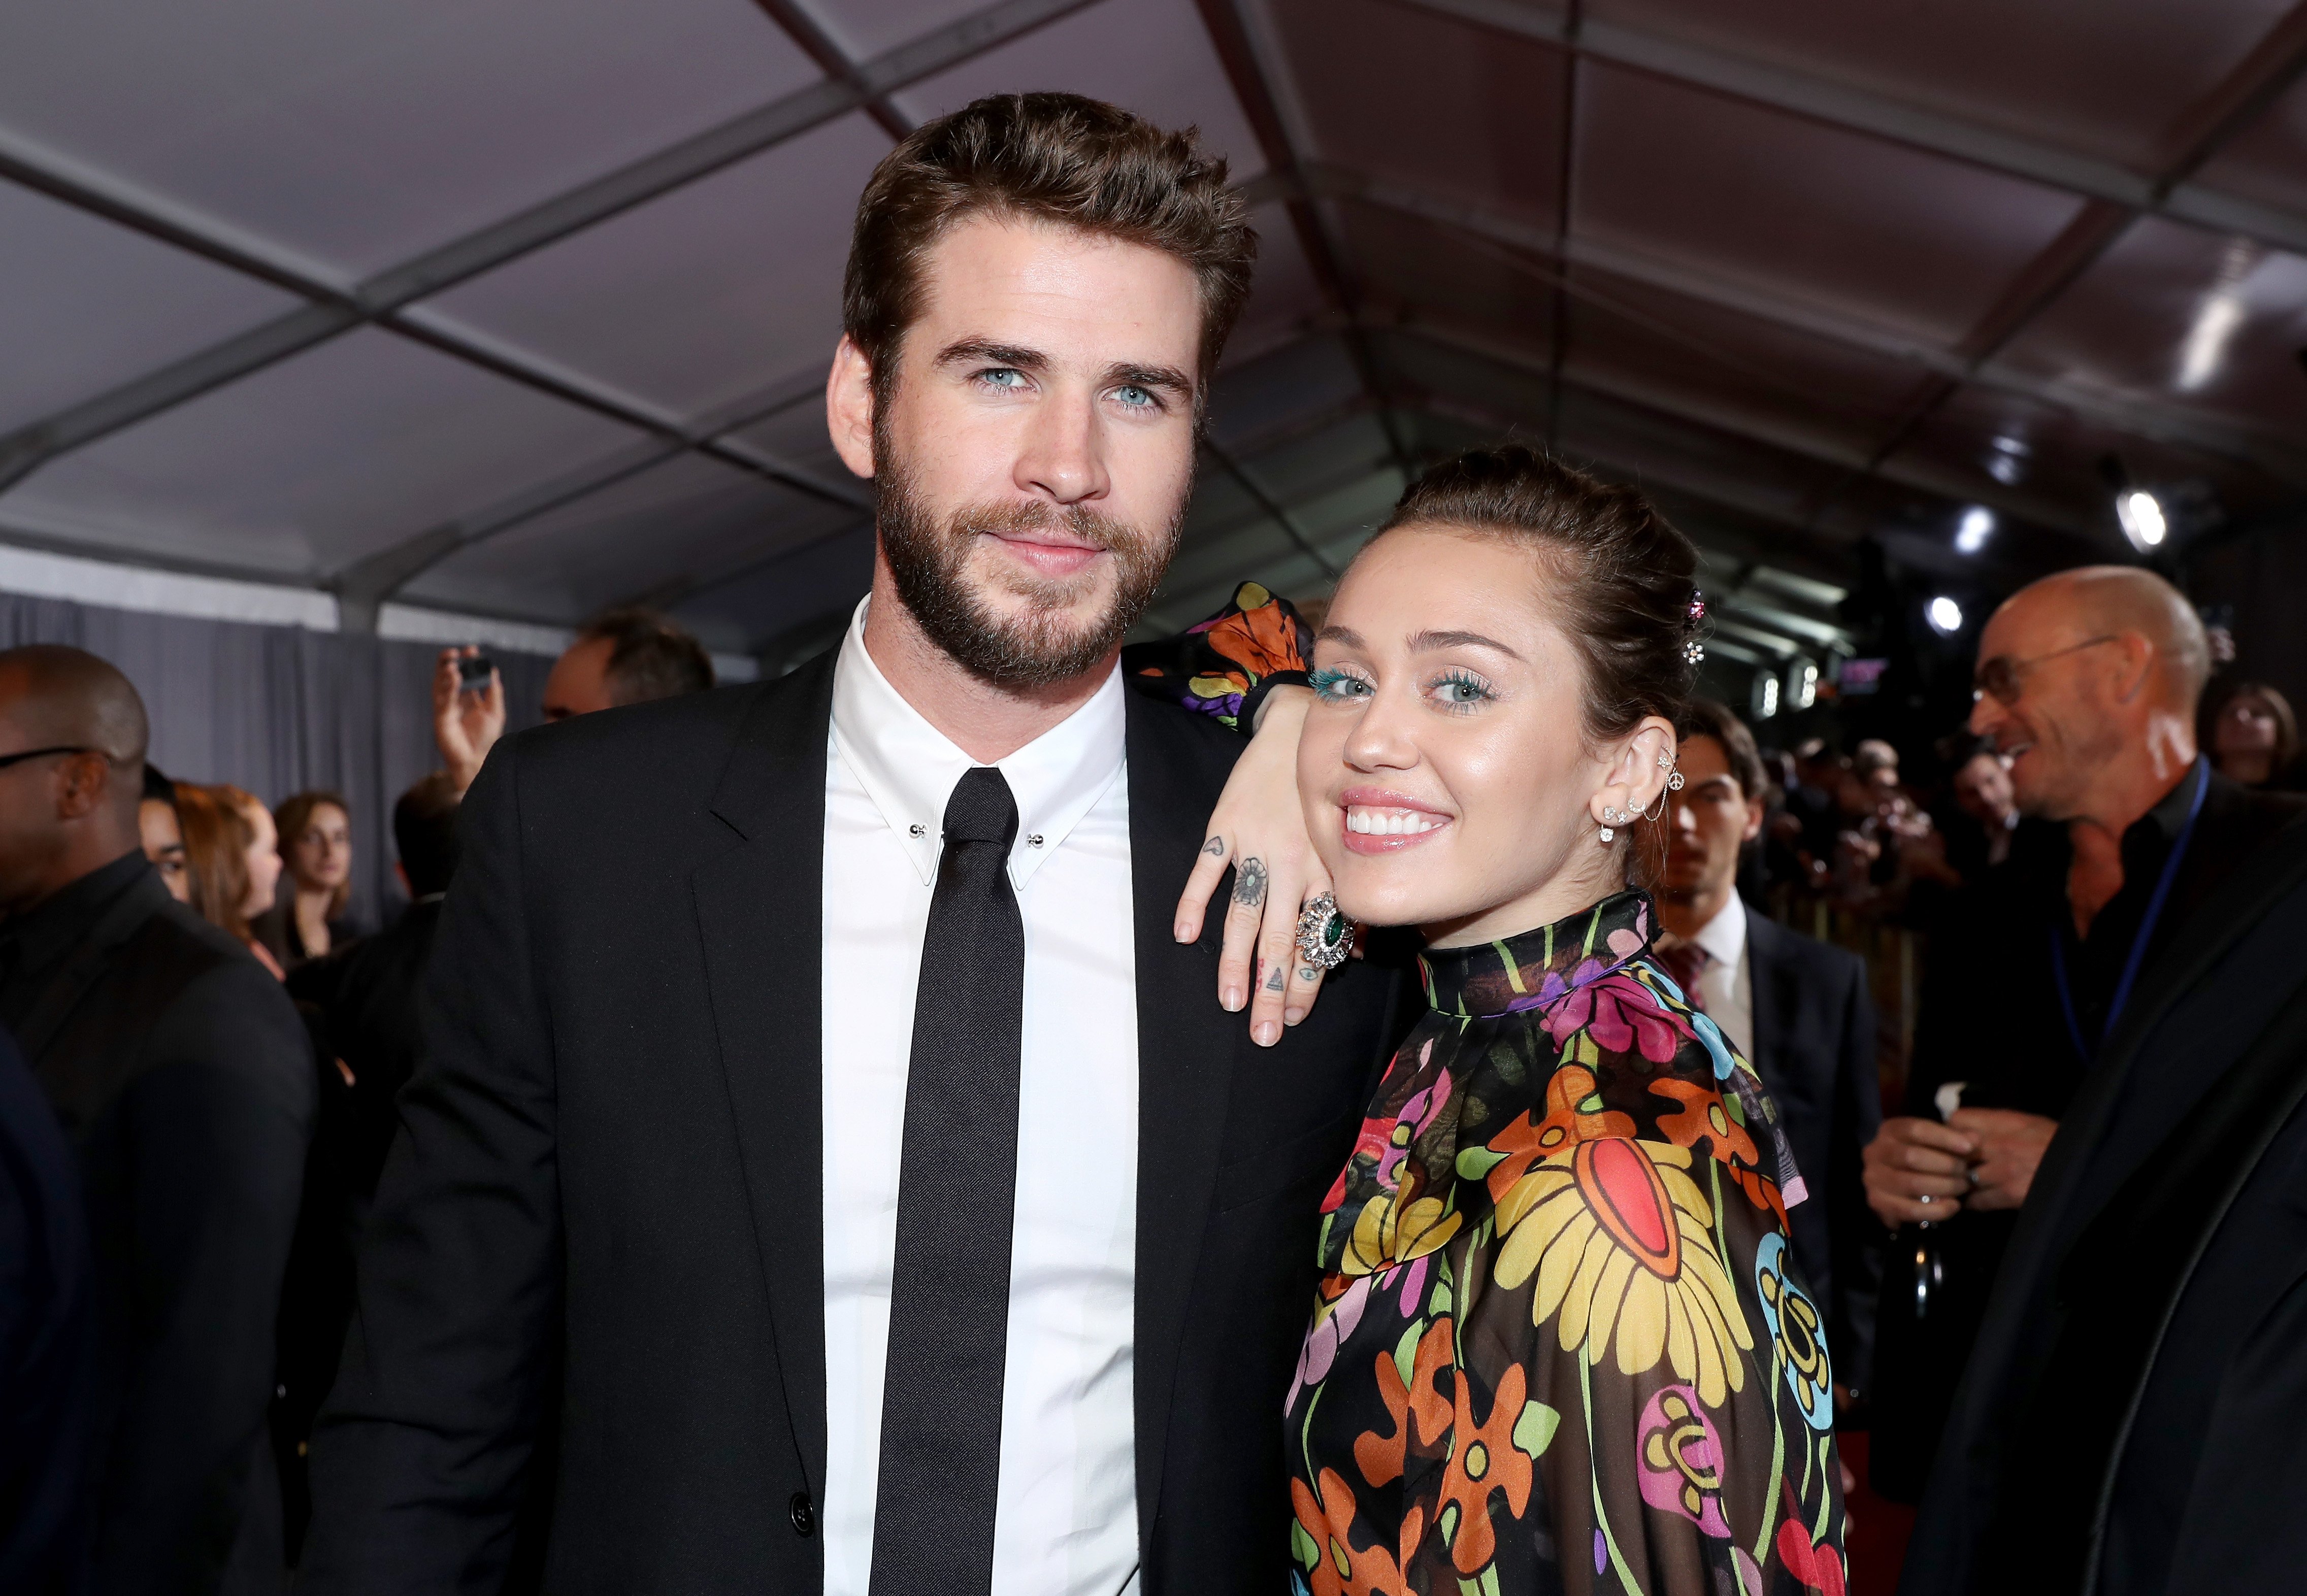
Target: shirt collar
x,y
909,769
1724,936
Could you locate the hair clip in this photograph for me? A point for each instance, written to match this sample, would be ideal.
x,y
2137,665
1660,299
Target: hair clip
x,y
1693,651
1697,611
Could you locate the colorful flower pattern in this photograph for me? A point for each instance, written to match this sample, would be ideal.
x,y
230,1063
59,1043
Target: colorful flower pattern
x,y
1557,1342
1222,667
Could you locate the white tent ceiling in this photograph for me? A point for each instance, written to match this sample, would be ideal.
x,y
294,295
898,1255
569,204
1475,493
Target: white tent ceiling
x,y
521,307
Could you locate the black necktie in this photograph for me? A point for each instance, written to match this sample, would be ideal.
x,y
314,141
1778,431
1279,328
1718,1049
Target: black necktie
x,y
957,1196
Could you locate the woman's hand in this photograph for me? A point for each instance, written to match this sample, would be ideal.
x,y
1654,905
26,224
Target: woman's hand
x,y
1259,829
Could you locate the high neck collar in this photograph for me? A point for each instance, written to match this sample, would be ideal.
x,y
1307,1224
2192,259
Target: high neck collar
x,y
1538,967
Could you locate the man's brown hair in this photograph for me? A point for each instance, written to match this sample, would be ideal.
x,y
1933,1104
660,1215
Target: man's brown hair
x,y
1050,158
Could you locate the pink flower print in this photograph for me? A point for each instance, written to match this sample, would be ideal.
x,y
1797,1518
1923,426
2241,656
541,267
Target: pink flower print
x,y
1681,1458
1413,1284
1329,1329
1622,1015
1625,944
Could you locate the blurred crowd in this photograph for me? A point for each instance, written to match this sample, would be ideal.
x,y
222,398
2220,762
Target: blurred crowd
x,y
219,1030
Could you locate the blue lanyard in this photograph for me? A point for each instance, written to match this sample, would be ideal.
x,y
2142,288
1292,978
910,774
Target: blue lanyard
x,y
2138,955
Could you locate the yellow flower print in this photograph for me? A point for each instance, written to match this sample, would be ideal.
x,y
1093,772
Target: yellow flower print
x,y
1391,1232
1618,1234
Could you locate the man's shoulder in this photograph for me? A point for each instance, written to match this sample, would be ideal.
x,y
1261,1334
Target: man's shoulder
x,y
1191,749
1775,942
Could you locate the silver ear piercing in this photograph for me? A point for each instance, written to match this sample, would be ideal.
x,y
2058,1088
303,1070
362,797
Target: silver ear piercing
x,y
1611,818
1673,777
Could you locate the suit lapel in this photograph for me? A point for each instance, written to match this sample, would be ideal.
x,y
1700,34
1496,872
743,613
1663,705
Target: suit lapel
x,y
1770,1004
760,912
1186,1053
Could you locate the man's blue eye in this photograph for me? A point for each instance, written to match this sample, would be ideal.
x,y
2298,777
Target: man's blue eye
x,y
1134,398
1004,377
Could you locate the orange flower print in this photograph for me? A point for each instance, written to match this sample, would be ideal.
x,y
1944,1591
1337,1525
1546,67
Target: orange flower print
x,y
1380,1457
1259,637
1484,1461
1703,1124
1326,1528
1574,1113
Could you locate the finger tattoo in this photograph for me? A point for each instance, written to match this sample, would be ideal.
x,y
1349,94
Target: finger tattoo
x,y
1273,981
1249,883
1309,973
1215,847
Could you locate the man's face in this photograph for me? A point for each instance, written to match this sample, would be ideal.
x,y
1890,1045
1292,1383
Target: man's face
x,y
2064,729
36,797
1035,451
1707,822
580,681
1981,790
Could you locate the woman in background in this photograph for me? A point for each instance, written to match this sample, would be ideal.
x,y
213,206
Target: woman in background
x,y
232,861
2251,734
316,846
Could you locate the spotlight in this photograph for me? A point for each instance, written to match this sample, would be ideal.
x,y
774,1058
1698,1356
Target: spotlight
x,y
1978,526
1944,615
2141,515
1801,685
1765,700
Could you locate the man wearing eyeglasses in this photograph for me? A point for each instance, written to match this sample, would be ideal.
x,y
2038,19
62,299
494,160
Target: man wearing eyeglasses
x,y
2081,991
184,1082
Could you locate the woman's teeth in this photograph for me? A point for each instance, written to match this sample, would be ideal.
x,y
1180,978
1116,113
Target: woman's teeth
x,y
1392,823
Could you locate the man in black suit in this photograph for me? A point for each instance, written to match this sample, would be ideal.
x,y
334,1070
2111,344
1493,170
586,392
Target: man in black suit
x,y
824,1143
185,1082
1797,1008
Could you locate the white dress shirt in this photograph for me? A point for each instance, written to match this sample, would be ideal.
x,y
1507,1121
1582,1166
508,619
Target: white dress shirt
x,y
1066,1519
1728,982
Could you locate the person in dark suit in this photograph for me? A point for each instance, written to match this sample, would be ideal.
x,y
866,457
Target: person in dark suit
x,y
825,1147
45,1366
183,1080
1797,1008
360,1003
2121,1189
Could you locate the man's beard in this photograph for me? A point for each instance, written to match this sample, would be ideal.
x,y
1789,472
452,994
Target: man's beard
x,y
929,562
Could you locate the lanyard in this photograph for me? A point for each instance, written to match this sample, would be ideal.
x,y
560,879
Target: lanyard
x,y
2138,954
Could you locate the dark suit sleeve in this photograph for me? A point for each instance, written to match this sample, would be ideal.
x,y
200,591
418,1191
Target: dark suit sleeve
x,y
421,1457
1855,1235
214,1128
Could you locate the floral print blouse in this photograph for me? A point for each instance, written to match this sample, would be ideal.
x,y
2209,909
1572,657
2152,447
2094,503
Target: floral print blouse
x,y
1559,1344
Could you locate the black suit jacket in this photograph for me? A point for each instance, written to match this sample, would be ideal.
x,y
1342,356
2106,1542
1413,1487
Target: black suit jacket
x,y
610,1158
1814,1050
184,1077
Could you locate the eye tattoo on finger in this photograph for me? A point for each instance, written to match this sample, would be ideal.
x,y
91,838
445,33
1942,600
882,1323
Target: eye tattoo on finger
x,y
1215,847
1249,883
1273,981
1308,974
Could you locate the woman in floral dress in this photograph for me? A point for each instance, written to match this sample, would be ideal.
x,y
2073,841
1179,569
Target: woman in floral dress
x,y
1559,1344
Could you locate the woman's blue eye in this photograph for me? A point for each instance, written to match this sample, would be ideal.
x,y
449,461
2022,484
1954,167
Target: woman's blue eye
x,y
1337,686
1461,690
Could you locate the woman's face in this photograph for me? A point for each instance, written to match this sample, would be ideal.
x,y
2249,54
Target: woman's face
x,y
263,860
320,855
1447,777
2246,725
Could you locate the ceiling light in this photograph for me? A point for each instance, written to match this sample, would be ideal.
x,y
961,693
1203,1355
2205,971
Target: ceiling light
x,y
1801,685
2007,461
2223,310
1978,526
1766,694
2141,515
1944,615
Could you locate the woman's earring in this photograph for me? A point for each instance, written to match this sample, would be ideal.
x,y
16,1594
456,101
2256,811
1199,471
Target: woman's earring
x,y
1612,817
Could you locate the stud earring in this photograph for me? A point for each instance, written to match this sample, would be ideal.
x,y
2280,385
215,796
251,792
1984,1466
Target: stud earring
x,y
1608,833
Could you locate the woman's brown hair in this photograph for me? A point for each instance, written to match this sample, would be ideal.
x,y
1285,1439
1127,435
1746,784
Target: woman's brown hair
x,y
1619,575
294,813
217,840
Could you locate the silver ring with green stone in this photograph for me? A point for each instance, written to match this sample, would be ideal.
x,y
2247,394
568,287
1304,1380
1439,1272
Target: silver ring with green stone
x,y
1326,938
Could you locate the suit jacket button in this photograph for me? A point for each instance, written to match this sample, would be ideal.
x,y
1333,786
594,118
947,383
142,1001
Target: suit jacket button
x,y
804,1516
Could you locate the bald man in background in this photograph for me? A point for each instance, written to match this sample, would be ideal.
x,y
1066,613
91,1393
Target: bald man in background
x,y
2121,1012
185,1083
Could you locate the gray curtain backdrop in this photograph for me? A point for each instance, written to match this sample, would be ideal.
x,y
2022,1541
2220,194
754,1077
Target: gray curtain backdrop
x,y
279,710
